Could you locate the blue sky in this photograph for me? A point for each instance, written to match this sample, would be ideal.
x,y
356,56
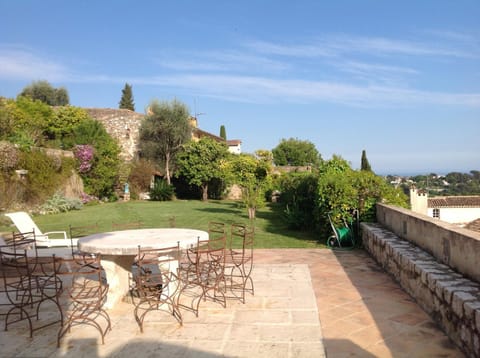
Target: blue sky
x,y
398,79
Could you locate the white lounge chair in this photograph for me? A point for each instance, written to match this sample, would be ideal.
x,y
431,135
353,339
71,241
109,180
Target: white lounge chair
x,y
24,223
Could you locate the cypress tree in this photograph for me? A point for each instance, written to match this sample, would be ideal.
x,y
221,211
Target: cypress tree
x,y
126,102
365,165
223,132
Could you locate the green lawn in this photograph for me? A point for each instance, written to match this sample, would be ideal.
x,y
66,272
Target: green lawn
x,y
270,230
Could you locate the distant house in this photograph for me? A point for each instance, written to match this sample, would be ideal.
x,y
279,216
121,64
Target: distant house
x,y
234,145
459,210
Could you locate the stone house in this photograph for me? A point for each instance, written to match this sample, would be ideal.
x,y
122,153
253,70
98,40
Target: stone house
x,y
458,210
124,125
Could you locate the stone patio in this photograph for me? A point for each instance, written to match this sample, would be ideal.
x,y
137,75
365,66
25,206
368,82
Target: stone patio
x,y
307,303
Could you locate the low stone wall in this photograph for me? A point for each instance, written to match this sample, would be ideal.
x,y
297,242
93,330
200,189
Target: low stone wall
x,y
451,245
452,300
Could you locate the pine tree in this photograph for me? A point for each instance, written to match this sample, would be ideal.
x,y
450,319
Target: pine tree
x,y
126,102
365,165
223,132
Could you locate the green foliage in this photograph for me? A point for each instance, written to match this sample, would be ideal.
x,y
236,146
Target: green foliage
x,y
100,180
45,175
162,191
126,102
30,118
28,123
140,176
365,165
223,132
296,152
338,190
454,183
61,97
7,123
60,204
298,197
44,92
163,133
252,175
63,122
202,161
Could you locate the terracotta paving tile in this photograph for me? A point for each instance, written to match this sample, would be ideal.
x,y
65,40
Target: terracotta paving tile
x,y
363,312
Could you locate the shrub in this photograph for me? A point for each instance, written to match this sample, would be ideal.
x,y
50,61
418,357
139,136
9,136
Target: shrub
x,y
59,204
84,155
141,172
298,196
162,191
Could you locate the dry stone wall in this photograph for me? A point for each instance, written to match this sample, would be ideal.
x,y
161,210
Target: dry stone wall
x,y
452,300
121,124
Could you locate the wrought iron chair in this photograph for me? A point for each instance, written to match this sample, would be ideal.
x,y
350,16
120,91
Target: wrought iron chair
x,y
205,279
27,284
86,296
239,262
77,232
156,282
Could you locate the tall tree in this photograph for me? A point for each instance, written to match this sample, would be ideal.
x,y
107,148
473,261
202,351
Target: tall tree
x,y
202,161
223,132
43,91
296,152
365,165
126,102
163,132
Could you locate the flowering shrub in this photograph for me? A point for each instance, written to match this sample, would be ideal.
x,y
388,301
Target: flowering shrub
x,y
86,198
84,155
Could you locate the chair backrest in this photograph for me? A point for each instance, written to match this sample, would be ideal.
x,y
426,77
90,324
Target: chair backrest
x,y
25,241
24,222
154,270
85,272
14,262
241,237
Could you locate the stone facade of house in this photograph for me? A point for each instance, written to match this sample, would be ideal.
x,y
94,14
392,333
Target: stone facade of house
x,y
121,124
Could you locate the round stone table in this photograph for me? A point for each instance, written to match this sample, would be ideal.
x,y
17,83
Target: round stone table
x,y
119,248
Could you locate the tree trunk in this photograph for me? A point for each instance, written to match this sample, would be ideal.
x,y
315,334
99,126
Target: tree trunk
x,y
251,213
167,167
205,192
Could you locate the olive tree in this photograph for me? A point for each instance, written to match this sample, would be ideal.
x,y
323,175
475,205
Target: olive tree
x,y
163,132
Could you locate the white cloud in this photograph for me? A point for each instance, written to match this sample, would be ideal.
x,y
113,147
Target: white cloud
x,y
19,63
337,45
221,61
262,89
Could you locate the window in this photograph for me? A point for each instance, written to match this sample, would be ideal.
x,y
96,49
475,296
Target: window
x,y
436,213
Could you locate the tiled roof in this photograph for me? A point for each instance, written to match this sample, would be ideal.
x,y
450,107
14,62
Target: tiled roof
x,y
197,132
454,202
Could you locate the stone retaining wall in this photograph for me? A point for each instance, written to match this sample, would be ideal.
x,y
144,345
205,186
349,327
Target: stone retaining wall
x,y
452,300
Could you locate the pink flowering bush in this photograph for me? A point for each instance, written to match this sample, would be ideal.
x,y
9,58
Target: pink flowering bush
x,y
86,198
84,155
